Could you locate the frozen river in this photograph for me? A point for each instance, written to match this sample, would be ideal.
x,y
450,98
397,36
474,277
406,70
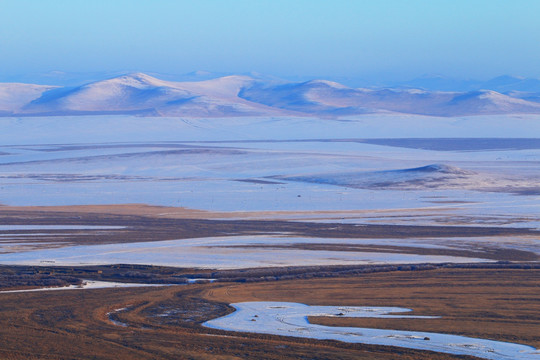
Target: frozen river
x,y
291,319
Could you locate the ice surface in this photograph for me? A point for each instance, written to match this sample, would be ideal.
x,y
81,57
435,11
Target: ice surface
x,y
228,252
58,227
291,319
87,284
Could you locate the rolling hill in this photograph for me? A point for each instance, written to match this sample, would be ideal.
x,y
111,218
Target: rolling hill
x,y
144,95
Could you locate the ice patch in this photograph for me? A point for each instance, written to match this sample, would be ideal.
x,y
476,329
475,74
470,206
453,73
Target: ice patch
x,y
216,253
87,284
58,227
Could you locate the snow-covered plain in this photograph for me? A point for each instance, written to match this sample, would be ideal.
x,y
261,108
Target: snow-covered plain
x,y
307,169
377,166
197,163
291,319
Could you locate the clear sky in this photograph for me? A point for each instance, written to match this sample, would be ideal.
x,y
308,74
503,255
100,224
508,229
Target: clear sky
x,y
390,39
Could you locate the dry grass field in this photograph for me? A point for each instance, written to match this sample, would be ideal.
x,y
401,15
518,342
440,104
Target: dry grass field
x,y
494,304
497,301
164,323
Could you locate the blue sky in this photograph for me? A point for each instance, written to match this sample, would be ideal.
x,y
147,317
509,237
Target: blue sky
x,y
386,39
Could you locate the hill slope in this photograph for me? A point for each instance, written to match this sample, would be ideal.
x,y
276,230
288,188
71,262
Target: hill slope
x,y
145,95
141,94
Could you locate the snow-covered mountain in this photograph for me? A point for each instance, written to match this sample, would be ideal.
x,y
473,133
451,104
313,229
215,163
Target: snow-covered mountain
x,y
145,95
502,84
14,96
325,97
486,102
141,94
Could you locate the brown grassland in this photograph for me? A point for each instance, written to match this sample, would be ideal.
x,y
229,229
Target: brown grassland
x,y
500,304
497,301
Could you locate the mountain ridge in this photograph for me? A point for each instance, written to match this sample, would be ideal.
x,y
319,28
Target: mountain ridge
x,y
241,95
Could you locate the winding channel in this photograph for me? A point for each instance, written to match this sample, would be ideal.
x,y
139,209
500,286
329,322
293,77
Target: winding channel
x,y
291,319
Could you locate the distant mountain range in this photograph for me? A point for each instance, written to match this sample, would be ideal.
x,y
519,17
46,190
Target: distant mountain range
x,y
144,95
502,84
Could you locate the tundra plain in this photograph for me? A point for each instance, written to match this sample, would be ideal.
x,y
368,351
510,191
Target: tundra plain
x,y
435,214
